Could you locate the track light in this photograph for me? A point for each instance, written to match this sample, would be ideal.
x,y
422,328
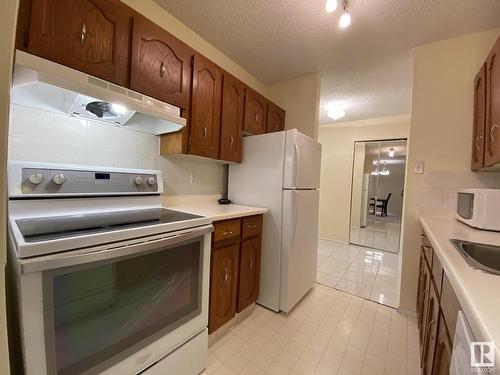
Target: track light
x,y
331,5
345,20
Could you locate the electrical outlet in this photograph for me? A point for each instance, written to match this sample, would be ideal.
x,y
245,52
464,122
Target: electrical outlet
x,y
419,167
193,178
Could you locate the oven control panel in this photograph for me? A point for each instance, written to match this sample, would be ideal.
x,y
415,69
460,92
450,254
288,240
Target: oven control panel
x,y
49,181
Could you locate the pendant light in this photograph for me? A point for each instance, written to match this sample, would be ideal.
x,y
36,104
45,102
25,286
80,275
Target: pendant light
x,y
345,20
331,5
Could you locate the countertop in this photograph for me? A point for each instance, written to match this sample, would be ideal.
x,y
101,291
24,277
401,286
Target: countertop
x,y
477,291
219,212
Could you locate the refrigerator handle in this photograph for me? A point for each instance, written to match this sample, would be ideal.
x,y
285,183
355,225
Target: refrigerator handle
x,y
295,210
296,162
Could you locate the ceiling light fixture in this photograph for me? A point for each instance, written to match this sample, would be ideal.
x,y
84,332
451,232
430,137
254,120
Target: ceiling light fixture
x,y
336,110
331,5
392,153
384,171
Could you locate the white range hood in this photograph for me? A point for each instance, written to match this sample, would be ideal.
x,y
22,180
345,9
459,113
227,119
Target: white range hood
x,y
46,85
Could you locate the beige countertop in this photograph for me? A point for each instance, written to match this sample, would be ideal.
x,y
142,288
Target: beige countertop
x,y
219,212
477,291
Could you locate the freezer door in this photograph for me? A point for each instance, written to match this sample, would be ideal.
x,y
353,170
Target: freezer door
x,y
300,245
302,161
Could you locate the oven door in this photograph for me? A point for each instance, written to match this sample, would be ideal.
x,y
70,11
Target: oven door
x,y
114,310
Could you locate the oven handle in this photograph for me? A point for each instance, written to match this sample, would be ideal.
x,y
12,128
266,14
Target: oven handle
x,y
122,249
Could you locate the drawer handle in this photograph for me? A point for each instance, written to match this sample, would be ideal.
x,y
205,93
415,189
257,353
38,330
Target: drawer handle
x,y
162,70
429,327
205,133
252,226
231,141
226,275
226,233
251,262
476,143
492,133
256,117
83,35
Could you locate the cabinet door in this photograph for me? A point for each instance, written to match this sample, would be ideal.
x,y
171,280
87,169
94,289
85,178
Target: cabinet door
x,y
444,348
255,113
88,35
275,118
223,286
479,120
430,331
161,64
424,299
205,108
421,284
249,273
492,153
233,103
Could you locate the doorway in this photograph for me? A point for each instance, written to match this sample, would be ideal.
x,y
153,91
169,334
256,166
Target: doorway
x,y
377,194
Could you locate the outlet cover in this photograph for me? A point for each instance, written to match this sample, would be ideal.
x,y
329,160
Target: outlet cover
x,y
419,167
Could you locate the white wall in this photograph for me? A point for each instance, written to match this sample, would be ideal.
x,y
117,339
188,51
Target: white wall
x,y
336,167
440,134
300,99
42,136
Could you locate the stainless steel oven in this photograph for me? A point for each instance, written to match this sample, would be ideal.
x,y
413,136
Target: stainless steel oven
x,y
98,289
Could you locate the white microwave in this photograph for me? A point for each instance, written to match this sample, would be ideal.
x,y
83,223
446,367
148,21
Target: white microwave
x,y
479,208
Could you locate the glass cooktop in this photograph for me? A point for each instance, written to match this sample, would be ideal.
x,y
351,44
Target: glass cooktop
x,y
50,228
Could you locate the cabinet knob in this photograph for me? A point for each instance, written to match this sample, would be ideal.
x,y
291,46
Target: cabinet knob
x,y
83,34
162,70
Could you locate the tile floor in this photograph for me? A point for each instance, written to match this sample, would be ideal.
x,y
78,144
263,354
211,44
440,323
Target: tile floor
x,y
377,234
329,333
365,272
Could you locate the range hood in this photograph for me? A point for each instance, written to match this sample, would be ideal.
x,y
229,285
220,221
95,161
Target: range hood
x,y
46,85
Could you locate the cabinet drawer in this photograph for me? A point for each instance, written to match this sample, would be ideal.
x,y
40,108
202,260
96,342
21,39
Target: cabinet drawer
x,y
252,226
449,305
227,229
437,273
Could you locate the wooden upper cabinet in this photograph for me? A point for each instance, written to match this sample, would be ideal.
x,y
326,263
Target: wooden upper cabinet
x,y
479,119
275,118
255,121
223,286
233,105
205,108
492,144
249,273
161,64
92,36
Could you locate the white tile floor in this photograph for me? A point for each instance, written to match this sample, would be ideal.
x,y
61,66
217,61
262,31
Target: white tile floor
x,y
329,333
365,272
377,234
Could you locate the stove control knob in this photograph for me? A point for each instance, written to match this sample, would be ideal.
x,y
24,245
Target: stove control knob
x,y
59,179
152,181
138,180
36,178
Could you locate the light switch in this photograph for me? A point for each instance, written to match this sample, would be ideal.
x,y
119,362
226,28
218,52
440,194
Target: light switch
x,y
419,167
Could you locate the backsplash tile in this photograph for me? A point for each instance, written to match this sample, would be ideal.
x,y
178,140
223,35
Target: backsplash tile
x,y
42,136
439,189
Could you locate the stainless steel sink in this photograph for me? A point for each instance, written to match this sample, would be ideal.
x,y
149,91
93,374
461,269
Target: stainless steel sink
x,y
480,256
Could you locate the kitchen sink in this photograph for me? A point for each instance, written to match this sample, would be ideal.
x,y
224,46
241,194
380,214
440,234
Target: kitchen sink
x,y
480,256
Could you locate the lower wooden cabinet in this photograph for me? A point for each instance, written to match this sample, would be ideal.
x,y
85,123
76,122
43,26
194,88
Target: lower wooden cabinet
x,y
223,286
248,289
437,311
444,348
234,268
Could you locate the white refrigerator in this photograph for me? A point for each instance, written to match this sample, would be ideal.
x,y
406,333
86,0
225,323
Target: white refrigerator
x,y
281,171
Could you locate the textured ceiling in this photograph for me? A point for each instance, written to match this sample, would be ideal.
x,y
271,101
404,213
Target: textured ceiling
x,y
367,66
